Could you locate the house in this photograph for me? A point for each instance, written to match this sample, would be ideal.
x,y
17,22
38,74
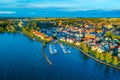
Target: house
x,y
99,45
109,26
71,27
90,31
60,23
42,36
90,36
20,24
80,30
75,29
112,46
64,31
119,55
49,38
67,25
86,26
10,28
62,39
43,30
90,40
92,44
119,49
107,46
71,34
77,43
101,49
98,38
81,35
98,48
77,35
70,40
39,34
85,39
108,39
94,48
59,29
49,33
99,31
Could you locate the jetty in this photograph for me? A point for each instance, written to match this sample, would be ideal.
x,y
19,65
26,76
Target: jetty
x,y
65,50
46,57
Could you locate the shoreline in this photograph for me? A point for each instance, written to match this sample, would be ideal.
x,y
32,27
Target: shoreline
x,y
44,54
98,60
104,63
50,63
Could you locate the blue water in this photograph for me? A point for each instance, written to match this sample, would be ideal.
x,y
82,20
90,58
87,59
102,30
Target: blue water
x,y
21,59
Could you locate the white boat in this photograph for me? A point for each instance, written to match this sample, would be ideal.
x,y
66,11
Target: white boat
x,y
52,49
61,46
64,50
69,51
55,51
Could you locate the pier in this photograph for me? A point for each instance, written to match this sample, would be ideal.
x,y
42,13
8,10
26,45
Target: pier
x,y
46,58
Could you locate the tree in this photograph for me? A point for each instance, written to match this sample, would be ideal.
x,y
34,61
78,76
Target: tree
x,y
109,33
115,60
34,24
102,57
97,55
1,29
44,36
38,28
84,47
108,58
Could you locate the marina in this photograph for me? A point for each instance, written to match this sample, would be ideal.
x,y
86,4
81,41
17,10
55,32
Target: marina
x,y
52,49
65,49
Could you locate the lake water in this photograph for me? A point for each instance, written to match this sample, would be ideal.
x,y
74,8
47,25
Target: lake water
x,y
21,59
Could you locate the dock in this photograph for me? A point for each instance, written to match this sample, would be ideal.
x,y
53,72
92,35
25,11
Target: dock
x,y
65,50
46,58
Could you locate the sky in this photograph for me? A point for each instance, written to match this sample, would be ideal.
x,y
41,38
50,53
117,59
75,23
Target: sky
x,y
57,8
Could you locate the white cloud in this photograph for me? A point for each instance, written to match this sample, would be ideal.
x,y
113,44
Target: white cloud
x,y
7,12
63,6
68,5
50,5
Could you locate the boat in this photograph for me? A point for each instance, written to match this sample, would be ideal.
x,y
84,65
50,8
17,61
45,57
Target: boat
x,y
65,49
52,49
69,51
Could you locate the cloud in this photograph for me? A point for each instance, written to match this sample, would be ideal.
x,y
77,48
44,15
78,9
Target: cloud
x,y
50,5
7,12
76,5
68,5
